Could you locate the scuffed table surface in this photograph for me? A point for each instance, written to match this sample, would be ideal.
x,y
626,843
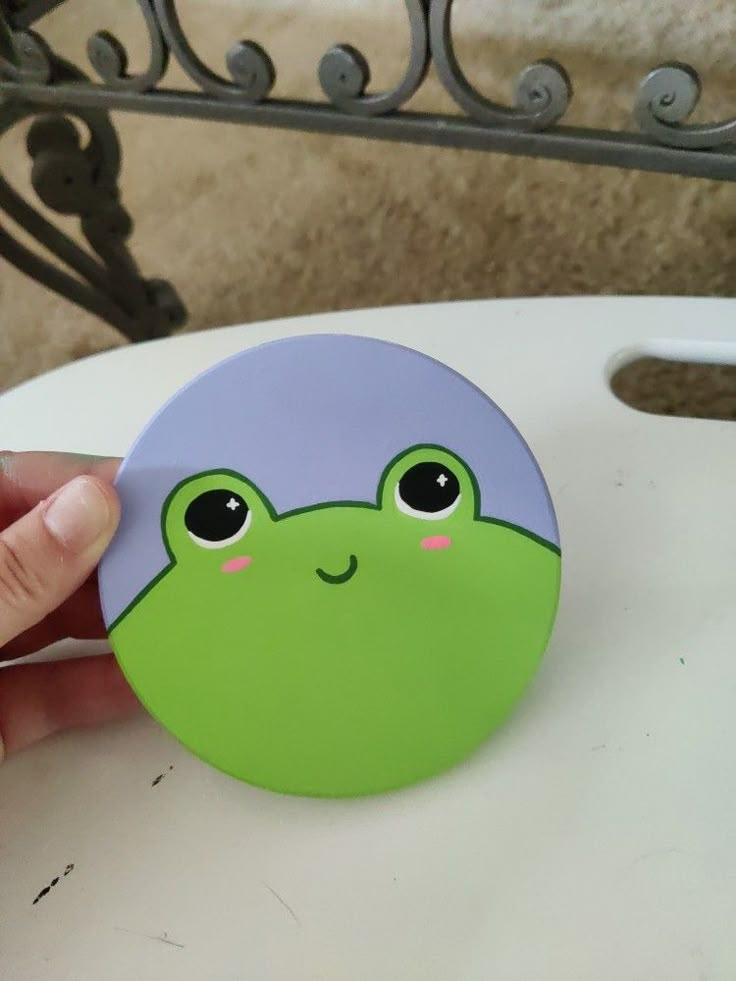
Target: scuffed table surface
x,y
594,837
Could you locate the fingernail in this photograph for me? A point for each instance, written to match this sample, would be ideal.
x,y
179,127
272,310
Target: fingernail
x,y
79,514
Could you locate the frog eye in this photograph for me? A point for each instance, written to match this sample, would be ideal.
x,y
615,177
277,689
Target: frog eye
x,y
217,518
429,491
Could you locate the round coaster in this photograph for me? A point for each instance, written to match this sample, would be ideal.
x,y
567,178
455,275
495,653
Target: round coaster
x,y
337,567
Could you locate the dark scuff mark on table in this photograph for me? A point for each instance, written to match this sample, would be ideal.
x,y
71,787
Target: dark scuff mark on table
x,y
46,890
157,780
162,938
54,882
282,901
682,660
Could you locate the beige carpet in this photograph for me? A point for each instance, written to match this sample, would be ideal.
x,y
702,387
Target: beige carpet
x,y
252,224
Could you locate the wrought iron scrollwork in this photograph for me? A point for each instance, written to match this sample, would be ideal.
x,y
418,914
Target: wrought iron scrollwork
x,y
542,91
24,56
250,67
542,94
667,97
72,176
110,59
344,72
34,81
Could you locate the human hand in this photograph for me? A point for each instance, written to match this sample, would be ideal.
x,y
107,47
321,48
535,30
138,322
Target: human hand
x,y
58,513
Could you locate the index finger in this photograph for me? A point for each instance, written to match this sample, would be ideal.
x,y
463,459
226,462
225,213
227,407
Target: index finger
x,y
28,478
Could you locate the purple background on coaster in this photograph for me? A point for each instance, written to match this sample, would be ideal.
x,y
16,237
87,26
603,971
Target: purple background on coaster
x,y
309,420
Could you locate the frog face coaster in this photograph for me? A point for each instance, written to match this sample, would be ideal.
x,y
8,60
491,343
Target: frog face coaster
x,y
337,568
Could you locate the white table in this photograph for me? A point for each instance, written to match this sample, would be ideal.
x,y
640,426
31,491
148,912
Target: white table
x,y
594,838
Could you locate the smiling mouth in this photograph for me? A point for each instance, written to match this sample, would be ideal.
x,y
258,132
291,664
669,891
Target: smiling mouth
x,y
340,577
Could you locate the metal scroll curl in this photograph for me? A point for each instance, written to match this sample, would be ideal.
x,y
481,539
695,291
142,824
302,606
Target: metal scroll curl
x,y
542,91
24,56
667,97
344,72
251,69
110,59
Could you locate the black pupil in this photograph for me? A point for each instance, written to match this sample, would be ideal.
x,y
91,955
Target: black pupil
x,y
429,487
216,515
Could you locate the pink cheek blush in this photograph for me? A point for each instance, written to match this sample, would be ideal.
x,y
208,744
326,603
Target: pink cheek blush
x,y
437,541
237,564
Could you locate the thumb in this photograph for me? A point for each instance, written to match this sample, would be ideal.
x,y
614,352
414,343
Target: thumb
x,y
49,552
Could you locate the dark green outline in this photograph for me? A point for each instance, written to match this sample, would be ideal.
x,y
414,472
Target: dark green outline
x,y
342,576
521,531
440,449
200,476
477,516
318,507
141,596
366,505
167,545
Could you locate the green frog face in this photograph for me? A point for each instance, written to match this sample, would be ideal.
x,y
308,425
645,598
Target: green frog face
x,y
346,648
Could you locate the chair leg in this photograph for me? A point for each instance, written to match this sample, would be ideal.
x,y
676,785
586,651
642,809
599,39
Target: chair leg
x,y
75,164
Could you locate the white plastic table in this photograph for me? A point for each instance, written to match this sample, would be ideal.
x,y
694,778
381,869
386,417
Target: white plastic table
x,y
593,838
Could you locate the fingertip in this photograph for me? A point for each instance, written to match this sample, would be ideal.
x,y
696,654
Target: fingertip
x,y
83,515
106,468
107,489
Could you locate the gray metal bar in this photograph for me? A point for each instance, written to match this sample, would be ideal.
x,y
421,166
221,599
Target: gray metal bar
x,y
572,144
